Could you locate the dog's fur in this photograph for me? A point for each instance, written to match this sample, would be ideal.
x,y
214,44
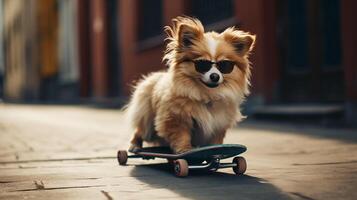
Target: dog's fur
x,y
175,107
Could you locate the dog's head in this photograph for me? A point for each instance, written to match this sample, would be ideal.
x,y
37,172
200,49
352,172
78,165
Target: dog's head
x,y
218,62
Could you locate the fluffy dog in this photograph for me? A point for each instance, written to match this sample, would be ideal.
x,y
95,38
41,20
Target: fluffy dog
x,y
197,98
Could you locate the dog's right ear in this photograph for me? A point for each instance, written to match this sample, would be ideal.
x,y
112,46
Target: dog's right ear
x,y
185,30
186,35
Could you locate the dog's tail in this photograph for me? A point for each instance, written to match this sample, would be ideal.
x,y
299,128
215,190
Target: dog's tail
x,y
139,111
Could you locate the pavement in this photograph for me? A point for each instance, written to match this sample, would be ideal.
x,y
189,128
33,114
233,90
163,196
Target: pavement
x,y
68,152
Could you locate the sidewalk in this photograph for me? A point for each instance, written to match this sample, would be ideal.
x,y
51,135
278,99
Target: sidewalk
x,y
68,152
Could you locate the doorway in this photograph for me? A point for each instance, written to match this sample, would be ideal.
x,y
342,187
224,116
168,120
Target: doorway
x,y
310,47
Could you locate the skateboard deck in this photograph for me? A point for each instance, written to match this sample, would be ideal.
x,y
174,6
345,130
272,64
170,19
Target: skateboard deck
x,y
198,154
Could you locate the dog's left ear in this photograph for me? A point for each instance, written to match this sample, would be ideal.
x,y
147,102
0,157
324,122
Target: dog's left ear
x,y
243,42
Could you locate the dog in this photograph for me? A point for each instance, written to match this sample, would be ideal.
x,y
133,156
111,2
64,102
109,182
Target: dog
x,y
198,97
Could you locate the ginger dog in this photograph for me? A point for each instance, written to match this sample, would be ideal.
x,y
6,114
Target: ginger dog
x,y
197,98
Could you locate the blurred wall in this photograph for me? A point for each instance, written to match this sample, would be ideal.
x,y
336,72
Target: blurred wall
x,y
144,55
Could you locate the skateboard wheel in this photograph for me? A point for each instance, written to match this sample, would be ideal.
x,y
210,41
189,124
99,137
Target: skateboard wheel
x,y
122,157
241,165
181,167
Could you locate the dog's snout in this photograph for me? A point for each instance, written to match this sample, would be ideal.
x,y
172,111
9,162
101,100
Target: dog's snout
x,y
214,77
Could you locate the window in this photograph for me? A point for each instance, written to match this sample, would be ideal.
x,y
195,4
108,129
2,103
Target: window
x,y
297,48
212,11
150,19
331,38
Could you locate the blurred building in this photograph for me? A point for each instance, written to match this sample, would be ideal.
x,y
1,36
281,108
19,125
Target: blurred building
x,y
20,79
72,50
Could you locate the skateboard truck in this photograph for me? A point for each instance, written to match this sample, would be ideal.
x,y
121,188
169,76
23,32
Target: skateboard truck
x,y
214,165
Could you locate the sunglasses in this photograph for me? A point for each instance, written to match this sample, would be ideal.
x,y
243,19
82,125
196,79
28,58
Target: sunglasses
x,y
224,66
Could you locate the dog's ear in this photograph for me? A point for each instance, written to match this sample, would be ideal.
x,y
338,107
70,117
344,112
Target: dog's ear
x,y
185,30
243,42
187,35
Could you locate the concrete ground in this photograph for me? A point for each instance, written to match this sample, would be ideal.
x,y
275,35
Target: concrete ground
x,y
68,152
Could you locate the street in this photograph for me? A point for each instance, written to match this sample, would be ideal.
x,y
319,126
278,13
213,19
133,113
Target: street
x,y
69,152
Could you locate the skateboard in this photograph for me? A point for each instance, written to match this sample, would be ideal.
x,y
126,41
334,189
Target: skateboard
x,y
202,158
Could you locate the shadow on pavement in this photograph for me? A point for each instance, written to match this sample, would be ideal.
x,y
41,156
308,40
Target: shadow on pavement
x,y
199,185
343,134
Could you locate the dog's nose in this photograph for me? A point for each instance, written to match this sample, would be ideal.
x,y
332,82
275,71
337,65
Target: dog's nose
x,y
214,77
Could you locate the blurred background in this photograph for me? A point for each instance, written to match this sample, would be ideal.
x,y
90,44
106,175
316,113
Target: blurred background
x,y
90,51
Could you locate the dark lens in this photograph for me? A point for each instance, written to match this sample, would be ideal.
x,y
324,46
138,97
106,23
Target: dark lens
x,y
225,66
203,66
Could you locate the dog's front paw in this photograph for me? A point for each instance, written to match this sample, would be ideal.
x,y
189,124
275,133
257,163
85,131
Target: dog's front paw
x,y
182,150
134,148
